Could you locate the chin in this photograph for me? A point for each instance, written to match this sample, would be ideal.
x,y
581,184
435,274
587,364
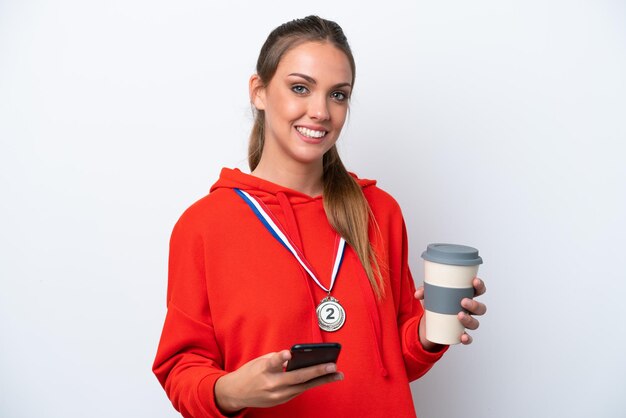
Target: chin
x,y
310,156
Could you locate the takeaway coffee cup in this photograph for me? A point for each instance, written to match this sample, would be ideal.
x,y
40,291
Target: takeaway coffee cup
x,y
449,270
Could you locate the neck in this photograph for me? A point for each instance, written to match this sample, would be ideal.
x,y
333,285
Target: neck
x,y
305,179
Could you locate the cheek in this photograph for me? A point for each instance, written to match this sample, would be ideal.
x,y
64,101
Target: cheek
x,y
293,109
339,116
287,109
282,107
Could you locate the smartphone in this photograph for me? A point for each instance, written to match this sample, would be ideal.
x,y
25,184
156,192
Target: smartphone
x,y
305,355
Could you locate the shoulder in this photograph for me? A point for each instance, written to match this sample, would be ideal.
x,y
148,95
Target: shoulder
x,y
385,208
380,201
379,198
207,212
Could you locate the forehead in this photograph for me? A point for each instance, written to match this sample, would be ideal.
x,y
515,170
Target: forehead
x,y
318,60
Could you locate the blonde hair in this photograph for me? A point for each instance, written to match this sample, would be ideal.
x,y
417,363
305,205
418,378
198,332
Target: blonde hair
x,y
345,205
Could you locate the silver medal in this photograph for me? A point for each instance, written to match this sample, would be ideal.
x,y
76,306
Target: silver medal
x,y
330,314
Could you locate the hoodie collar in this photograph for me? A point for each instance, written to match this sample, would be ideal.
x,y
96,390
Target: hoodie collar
x,y
231,178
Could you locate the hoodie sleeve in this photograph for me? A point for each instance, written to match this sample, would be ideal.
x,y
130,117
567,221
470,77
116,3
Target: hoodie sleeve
x,y
188,360
410,311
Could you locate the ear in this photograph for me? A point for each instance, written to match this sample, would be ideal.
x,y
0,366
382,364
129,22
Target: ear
x,y
257,92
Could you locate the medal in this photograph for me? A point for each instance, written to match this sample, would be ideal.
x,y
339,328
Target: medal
x,y
330,314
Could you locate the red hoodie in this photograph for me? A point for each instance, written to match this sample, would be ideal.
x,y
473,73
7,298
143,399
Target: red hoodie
x,y
235,293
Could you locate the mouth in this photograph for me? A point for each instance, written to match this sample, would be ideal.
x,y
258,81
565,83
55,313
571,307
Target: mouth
x,y
311,133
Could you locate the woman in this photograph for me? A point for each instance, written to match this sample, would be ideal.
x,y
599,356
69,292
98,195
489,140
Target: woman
x,y
251,262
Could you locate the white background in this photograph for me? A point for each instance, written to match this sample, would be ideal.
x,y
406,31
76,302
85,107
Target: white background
x,y
495,124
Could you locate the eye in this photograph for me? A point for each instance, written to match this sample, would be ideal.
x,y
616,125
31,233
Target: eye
x,y
339,96
299,89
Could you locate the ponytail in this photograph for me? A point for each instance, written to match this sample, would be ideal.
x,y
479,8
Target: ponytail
x,y
349,214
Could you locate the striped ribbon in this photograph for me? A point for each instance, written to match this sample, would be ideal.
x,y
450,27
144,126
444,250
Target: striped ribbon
x,y
272,225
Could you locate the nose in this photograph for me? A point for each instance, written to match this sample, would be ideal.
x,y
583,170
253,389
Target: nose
x,y
318,108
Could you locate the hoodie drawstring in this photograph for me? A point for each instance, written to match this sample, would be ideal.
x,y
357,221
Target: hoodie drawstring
x,y
374,313
290,217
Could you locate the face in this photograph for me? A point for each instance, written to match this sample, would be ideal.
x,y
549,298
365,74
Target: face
x,y
305,103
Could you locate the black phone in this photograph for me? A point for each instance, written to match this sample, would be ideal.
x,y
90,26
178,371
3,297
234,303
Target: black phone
x,y
305,355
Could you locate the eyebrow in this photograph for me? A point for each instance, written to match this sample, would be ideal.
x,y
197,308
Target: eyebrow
x,y
312,80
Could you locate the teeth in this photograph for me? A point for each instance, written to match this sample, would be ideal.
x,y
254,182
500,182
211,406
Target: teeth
x,y
310,132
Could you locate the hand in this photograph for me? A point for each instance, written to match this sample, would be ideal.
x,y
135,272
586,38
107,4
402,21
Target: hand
x,y
262,382
474,308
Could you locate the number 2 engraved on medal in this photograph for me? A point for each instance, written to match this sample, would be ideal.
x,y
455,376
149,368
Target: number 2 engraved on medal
x,y
330,316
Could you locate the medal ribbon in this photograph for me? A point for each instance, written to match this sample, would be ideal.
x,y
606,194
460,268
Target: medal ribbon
x,y
272,225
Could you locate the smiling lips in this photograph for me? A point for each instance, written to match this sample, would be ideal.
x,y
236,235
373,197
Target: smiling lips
x,y
310,133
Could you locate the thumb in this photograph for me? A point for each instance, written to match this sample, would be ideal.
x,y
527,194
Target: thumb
x,y
419,293
276,360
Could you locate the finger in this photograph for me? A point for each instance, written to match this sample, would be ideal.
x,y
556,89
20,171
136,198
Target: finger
x,y
305,374
322,380
473,306
479,286
419,293
276,360
295,390
468,321
466,339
